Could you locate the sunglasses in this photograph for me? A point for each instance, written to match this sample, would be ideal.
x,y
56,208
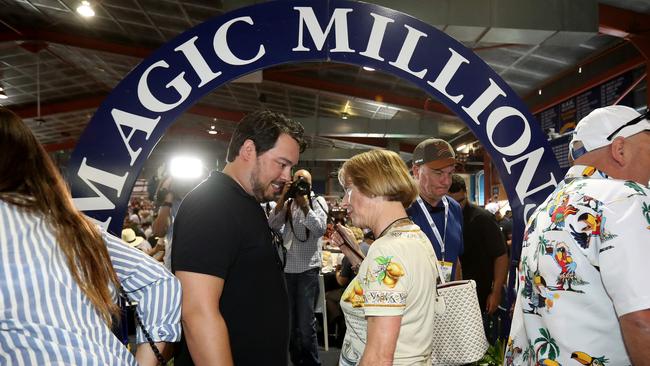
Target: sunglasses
x,y
631,123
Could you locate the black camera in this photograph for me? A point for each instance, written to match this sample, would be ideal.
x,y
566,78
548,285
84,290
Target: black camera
x,y
338,215
299,187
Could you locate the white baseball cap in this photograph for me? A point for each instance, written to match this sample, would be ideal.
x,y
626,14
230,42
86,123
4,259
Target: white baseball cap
x,y
600,127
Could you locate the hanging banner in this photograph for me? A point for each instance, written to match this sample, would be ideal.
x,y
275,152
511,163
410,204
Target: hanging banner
x,y
134,117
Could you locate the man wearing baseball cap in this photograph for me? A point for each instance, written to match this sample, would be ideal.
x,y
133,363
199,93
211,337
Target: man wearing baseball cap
x,y
583,277
439,216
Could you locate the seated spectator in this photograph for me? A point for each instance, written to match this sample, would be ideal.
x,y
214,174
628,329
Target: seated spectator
x,y
135,217
156,250
59,271
146,230
128,224
146,216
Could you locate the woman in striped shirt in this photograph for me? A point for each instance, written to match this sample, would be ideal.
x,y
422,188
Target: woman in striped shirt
x,y
60,274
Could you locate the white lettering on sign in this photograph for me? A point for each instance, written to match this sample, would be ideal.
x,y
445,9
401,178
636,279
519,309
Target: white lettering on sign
x,y
481,103
136,123
152,103
447,73
100,202
376,36
340,21
221,48
531,162
407,50
198,63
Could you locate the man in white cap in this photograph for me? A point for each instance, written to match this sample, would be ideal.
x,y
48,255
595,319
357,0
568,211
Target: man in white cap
x,y
438,215
584,294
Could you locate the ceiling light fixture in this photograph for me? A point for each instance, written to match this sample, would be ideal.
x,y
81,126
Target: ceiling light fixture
x,y
3,95
344,115
213,131
368,68
85,9
580,70
461,147
539,92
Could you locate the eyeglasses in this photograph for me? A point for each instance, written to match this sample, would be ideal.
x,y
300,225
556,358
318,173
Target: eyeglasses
x,y
631,123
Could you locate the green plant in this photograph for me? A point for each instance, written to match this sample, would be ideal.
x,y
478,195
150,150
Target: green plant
x,y
494,355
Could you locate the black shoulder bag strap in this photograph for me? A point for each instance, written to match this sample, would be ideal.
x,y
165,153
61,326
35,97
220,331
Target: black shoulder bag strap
x,y
155,350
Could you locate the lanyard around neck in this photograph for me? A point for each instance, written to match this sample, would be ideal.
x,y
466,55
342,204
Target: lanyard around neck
x,y
440,239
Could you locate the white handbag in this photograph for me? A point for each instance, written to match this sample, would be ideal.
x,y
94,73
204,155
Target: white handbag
x,y
458,333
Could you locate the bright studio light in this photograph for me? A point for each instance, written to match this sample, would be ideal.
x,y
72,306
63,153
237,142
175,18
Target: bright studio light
x,y
85,9
185,167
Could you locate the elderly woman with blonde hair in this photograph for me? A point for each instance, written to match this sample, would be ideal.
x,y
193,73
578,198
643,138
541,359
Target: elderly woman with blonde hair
x,y
389,305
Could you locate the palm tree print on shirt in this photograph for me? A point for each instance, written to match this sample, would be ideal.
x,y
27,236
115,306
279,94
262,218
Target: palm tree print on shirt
x,y
547,347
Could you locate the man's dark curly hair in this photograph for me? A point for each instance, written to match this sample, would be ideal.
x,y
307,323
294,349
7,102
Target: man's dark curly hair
x,y
264,128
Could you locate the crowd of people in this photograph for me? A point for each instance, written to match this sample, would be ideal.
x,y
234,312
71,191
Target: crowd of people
x,y
246,246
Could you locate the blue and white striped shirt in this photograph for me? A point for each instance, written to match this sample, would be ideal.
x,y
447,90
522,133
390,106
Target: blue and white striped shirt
x,y
45,318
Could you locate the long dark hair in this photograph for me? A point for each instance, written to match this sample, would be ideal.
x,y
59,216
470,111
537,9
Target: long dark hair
x,y
29,179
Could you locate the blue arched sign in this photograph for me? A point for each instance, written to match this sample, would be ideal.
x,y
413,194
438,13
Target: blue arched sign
x,y
119,138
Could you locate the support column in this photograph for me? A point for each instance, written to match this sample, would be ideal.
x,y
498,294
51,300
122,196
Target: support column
x,y
642,43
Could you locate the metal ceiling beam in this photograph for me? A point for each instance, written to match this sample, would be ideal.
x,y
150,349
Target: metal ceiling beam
x,y
75,40
73,105
94,101
66,145
372,141
616,22
506,21
333,154
366,127
354,91
212,112
629,25
621,23
601,78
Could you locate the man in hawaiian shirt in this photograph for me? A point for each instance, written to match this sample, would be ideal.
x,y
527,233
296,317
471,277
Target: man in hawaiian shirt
x,y
584,293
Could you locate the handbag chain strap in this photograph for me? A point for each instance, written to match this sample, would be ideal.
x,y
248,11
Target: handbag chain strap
x,y
155,349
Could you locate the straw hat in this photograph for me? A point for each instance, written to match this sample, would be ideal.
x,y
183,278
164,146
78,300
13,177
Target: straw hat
x,y
129,237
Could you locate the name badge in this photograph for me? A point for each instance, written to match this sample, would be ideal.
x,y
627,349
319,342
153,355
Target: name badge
x,y
446,268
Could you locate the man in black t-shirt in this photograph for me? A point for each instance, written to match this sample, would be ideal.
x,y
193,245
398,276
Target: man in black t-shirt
x,y
235,307
485,259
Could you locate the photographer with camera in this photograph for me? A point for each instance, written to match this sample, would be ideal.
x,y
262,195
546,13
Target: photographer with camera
x,y
168,197
301,217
